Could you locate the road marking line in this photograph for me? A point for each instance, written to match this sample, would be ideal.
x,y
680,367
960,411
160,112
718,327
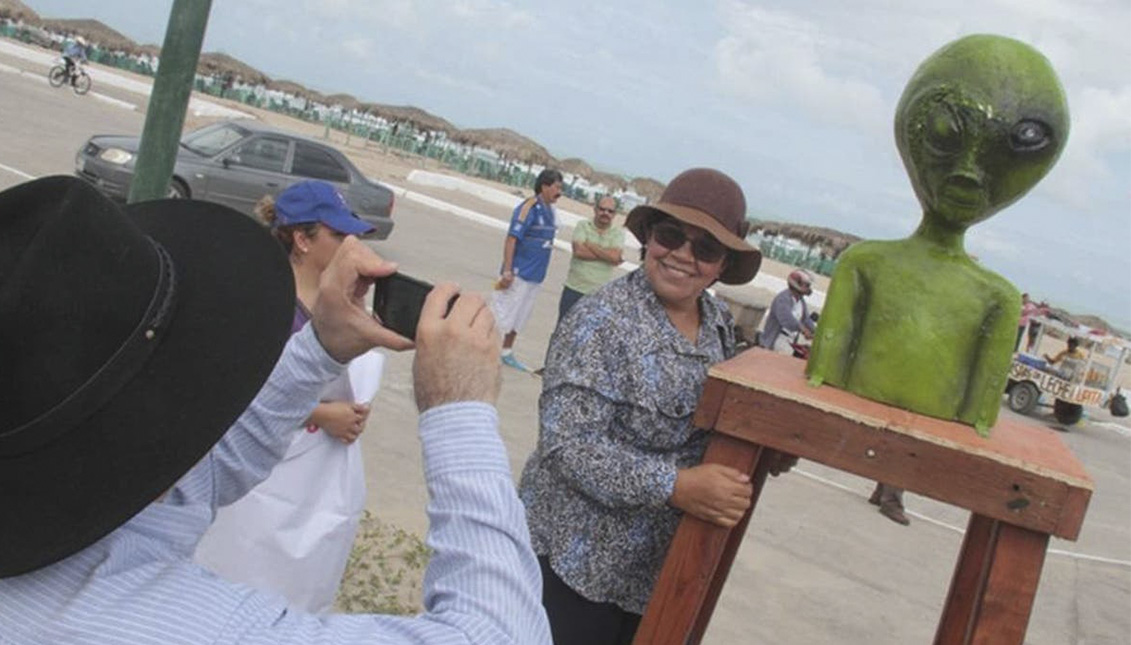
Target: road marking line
x,y
1118,428
16,172
960,531
113,101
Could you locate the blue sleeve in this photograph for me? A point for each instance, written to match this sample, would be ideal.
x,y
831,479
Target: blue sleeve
x,y
521,220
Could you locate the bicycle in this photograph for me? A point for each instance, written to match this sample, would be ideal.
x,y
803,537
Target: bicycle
x,y
80,80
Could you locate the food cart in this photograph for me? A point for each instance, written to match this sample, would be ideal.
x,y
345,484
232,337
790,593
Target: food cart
x,y
1074,382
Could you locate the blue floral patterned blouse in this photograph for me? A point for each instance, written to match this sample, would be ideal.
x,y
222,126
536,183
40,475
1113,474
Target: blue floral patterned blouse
x,y
619,389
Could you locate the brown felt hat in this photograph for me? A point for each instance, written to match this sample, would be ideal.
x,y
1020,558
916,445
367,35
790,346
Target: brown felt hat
x,y
714,202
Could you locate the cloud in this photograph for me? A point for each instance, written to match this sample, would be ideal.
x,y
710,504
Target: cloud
x,y
987,242
777,57
358,47
463,84
499,14
1101,130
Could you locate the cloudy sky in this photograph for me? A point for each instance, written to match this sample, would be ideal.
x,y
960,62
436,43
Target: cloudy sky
x,y
794,98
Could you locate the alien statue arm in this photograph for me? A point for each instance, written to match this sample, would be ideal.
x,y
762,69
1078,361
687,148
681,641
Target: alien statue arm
x,y
830,358
989,368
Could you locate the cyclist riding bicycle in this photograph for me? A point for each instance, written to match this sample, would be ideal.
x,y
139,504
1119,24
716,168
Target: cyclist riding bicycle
x,y
74,52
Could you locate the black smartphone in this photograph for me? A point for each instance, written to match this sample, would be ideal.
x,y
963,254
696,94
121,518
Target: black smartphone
x,y
397,301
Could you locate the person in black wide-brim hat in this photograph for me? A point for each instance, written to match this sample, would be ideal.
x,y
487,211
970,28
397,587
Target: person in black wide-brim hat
x,y
131,339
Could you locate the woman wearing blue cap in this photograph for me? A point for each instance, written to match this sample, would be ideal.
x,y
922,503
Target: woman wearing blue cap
x,y
292,534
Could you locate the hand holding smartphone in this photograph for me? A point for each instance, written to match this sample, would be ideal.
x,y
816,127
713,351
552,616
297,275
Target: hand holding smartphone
x,y
397,301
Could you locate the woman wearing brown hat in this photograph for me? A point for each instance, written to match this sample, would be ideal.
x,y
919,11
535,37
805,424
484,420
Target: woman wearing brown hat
x,y
617,461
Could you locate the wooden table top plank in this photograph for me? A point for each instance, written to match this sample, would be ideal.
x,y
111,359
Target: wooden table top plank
x,y
1022,474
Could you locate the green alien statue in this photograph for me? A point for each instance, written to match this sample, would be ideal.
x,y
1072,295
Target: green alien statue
x,y
916,323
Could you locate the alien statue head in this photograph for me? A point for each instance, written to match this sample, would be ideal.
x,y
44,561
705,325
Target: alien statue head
x,y
979,124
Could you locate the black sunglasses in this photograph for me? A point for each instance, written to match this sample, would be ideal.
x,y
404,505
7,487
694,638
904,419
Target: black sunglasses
x,y
670,234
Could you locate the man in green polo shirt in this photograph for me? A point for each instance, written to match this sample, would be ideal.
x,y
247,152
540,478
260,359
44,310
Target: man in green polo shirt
x,y
597,248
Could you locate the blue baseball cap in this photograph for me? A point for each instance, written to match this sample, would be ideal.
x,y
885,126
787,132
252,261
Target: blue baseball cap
x,y
308,202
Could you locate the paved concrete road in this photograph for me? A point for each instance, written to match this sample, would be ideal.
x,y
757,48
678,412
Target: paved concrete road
x,y
43,127
819,566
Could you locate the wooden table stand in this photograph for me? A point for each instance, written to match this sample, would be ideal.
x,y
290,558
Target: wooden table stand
x,y
1021,485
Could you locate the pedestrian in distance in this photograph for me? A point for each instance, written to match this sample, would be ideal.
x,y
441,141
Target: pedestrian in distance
x,y
526,257
1028,310
597,248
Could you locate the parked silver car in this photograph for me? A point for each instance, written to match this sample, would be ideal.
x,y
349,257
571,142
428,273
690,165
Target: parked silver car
x,y
235,163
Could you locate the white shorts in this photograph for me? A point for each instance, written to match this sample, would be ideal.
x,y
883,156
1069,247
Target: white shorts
x,y
512,306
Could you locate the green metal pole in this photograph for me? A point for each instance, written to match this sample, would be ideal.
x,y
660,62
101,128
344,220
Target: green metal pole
x,y
168,102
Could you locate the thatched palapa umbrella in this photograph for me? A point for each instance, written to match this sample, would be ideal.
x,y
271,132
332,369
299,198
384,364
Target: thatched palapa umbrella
x,y
93,31
149,50
647,188
575,166
289,87
346,101
833,241
507,143
420,119
223,64
608,180
17,10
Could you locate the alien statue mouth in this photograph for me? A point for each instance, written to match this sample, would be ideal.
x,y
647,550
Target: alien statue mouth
x,y
962,194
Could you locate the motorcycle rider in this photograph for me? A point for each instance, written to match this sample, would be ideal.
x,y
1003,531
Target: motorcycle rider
x,y
788,314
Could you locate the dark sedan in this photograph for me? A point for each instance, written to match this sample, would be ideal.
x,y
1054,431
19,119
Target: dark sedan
x,y
235,163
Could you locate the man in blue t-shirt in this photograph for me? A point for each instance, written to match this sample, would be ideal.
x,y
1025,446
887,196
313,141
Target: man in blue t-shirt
x,y
526,256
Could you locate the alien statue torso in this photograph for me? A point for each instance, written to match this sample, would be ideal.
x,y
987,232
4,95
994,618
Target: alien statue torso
x,y
917,323
907,341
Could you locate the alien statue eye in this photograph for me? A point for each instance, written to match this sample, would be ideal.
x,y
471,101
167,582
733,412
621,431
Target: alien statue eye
x,y
943,130
1029,136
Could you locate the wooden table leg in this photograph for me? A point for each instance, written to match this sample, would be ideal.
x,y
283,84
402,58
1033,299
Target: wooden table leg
x,y
734,540
994,585
693,571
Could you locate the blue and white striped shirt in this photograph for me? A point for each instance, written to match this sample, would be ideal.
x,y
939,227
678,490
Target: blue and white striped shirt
x,y
140,585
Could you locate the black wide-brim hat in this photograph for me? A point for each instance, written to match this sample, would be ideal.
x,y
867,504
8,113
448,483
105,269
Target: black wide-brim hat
x,y
131,338
711,200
